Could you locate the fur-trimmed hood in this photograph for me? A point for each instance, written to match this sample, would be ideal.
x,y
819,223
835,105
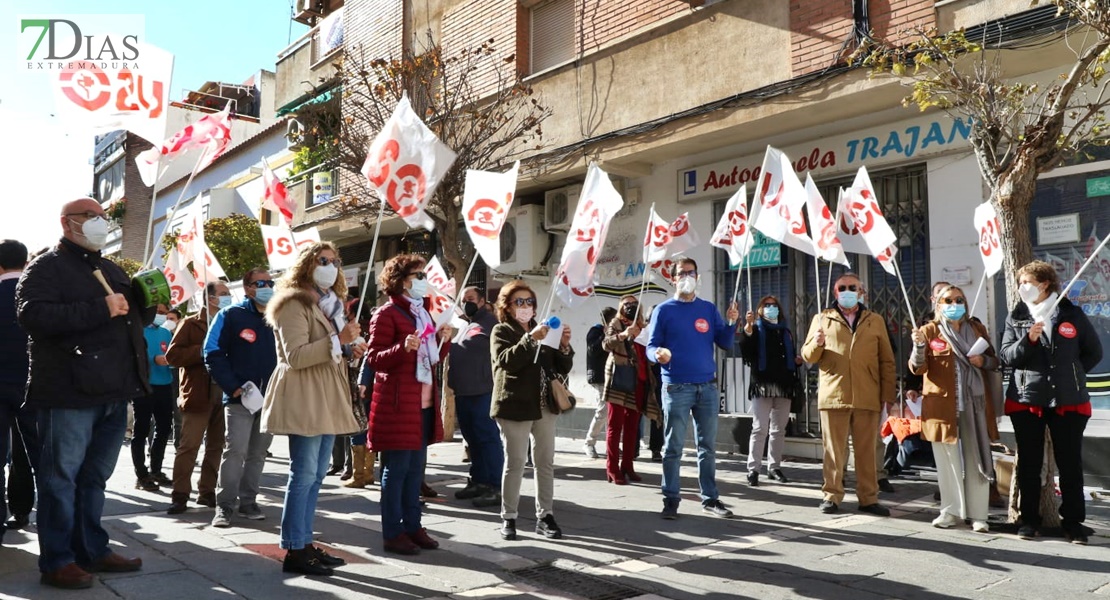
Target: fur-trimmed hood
x,y
284,295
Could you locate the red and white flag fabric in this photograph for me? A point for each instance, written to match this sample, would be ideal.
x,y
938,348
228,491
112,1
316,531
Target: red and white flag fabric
x,y
859,208
733,234
211,133
779,203
662,269
571,296
852,237
597,206
683,236
274,195
990,240
405,163
822,226
440,307
437,277
487,198
105,96
281,251
657,238
205,266
183,285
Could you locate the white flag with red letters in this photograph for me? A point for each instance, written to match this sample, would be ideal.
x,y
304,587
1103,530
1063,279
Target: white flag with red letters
x,y
571,296
405,163
779,203
683,236
487,198
733,233
211,133
990,241
597,206
860,205
437,277
183,285
657,238
281,251
822,226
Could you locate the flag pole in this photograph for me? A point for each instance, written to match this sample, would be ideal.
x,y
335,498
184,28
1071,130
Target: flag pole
x,y
828,288
647,267
905,296
173,212
458,293
1090,259
748,263
150,218
370,261
979,291
817,281
546,311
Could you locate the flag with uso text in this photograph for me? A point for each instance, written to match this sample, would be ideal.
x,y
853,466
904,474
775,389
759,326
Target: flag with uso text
x,y
597,206
437,278
657,238
779,203
487,198
862,226
733,233
826,244
281,252
990,243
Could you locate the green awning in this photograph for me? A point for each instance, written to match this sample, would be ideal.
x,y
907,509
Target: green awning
x,y
302,101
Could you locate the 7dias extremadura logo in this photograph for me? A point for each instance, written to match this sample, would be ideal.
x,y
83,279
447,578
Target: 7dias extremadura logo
x,y
59,43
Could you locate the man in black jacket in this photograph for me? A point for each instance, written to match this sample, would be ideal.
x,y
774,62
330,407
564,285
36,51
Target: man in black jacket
x,y
88,359
13,382
595,376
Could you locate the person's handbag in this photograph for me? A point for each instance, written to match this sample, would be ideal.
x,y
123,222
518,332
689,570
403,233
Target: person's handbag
x,y
624,379
561,396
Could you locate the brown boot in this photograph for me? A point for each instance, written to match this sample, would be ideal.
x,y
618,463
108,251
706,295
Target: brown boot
x,y
358,478
371,459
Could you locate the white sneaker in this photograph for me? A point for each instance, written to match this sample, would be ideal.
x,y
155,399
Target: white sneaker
x,y
590,451
980,527
946,521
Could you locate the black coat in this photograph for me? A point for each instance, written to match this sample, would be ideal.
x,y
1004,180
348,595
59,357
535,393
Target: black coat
x,y
1052,372
81,357
596,356
780,373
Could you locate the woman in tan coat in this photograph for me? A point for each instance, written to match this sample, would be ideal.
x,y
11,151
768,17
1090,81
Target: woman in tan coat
x,y
957,413
629,390
308,398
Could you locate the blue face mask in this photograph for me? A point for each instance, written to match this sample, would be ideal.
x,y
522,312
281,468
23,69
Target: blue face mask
x,y
263,295
953,312
771,313
225,301
158,320
848,299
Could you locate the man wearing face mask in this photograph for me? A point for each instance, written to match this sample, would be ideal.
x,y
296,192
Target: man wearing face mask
x,y
240,353
471,377
851,347
88,359
202,415
158,404
681,337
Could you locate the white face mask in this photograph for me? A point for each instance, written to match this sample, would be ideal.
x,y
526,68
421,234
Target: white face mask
x,y
524,315
95,232
687,285
325,276
169,325
1029,292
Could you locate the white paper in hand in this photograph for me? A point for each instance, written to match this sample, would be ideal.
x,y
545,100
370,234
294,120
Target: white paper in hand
x,y
915,405
251,397
642,339
980,346
554,335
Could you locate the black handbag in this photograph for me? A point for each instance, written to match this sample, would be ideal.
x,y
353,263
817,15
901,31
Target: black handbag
x,y
624,379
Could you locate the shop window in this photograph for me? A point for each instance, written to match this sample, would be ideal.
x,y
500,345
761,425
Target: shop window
x,y
552,30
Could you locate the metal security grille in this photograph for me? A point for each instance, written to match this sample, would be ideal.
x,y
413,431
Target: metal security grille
x,y
580,584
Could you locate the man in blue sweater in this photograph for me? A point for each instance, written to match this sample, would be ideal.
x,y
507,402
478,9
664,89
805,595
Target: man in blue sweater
x,y
240,350
681,336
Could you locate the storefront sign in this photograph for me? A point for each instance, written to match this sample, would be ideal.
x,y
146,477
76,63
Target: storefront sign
x,y
873,147
1099,186
350,275
1061,229
321,188
765,253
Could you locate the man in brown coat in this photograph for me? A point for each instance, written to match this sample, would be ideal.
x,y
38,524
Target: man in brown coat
x,y
202,413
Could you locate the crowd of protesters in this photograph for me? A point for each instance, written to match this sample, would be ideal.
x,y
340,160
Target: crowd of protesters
x,y
80,343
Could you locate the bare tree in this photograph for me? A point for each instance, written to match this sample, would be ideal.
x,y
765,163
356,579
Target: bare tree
x,y
473,100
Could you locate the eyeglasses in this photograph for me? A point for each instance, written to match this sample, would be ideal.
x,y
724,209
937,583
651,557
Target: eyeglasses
x,y
418,275
685,274
524,301
325,261
959,300
770,305
847,288
89,215
262,283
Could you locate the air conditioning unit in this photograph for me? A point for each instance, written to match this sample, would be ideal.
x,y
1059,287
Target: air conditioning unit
x,y
558,207
523,240
296,137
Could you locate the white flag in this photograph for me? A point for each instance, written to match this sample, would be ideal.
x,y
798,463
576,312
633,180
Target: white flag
x,y
437,277
862,207
487,198
211,133
823,228
779,203
657,238
571,296
597,206
733,233
683,237
990,242
281,252
405,163
182,283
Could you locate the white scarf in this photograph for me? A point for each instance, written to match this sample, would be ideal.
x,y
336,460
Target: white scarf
x,y
332,308
1039,310
426,354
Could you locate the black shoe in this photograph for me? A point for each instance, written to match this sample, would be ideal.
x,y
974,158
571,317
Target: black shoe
x,y
828,507
1027,532
548,528
508,529
656,456
885,486
670,509
334,471
1075,536
208,500
17,522
147,484
326,559
304,561
470,492
715,508
490,497
876,509
161,479
776,475
753,478
177,507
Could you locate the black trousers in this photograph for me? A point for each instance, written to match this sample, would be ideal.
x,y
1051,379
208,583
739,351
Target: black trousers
x,y
159,405
1067,446
19,434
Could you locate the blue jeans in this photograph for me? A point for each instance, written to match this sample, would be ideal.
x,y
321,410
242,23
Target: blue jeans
x,y
482,437
78,449
308,462
679,401
402,474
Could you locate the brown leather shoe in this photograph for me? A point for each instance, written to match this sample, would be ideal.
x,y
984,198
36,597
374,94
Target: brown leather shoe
x,y
401,544
114,563
69,577
422,539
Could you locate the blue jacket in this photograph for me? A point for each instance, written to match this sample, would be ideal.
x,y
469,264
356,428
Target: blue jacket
x,y
13,340
157,340
689,330
239,348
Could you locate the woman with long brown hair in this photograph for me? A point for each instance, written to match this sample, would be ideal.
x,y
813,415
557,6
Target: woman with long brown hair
x,y
629,390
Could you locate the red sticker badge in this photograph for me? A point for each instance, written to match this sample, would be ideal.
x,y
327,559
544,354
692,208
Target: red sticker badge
x,y
938,345
248,334
164,346
701,325
1067,330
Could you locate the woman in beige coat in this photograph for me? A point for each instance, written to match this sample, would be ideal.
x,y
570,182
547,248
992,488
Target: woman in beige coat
x,y
308,398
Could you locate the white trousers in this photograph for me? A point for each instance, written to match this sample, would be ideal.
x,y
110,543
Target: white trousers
x,y
769,417
964,492
597,424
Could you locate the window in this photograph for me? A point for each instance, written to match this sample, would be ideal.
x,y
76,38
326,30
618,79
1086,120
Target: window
x,y
553,30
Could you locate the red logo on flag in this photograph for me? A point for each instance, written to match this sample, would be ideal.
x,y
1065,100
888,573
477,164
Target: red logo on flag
x,y
701,325
487,213
95,88
249,335
938,345
1067,330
